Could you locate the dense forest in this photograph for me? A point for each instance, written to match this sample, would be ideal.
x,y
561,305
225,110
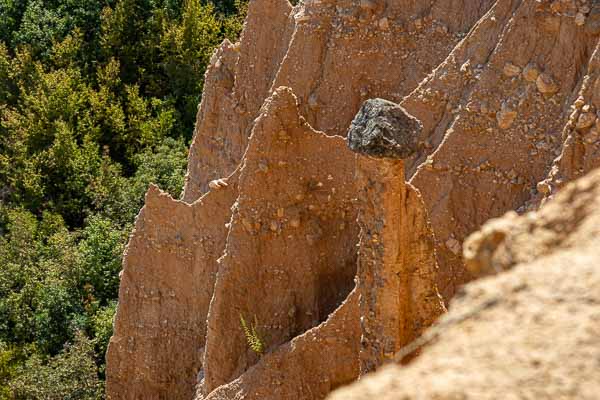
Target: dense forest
x,y
97,100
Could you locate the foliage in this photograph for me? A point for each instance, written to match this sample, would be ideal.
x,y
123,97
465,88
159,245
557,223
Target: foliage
x,y
253,339
97,101
70,375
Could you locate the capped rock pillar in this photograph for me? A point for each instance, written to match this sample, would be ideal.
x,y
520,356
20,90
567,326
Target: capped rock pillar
x,y
396,262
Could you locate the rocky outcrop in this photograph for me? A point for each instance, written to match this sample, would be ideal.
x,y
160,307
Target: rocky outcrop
x,y
333,54
531,332
580,152
247,287
383,129
290,257
487,138
344,52
238,80
566,223
216,114
296,241
293,236
169,271
397,270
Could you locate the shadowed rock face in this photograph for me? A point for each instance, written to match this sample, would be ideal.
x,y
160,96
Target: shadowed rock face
x,y
384,129
306,368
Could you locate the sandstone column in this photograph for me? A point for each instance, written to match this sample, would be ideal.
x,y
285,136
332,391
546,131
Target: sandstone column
x,y
396,264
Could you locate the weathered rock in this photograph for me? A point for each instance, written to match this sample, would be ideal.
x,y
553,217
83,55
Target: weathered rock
x,y
592,22
558,226
531,332
240,76
308,367
586,120
580,149
531,72
305,48
506,116
384,129
216,109
468,177
288,276
237,82
377,63
546,84
511,70
169,270
397,270
290,254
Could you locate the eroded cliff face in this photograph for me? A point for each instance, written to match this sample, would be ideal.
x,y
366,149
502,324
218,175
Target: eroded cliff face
x,y
169,271
309,366
397,271
494,141
333,55
329,256
238,80
290,257
581,133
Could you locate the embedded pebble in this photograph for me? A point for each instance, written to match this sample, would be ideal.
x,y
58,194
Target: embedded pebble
x,y
453,245
506,117
531,72
543,187
511,70
585,120
546,84
217,184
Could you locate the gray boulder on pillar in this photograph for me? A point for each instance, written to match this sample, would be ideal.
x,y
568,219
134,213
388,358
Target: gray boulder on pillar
x,y
384,129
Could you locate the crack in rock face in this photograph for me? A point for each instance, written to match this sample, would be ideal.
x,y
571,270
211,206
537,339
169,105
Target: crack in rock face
x,y
384,129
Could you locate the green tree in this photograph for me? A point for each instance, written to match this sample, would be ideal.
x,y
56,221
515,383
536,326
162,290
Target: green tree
x,y
187,48
97,101
99,253
71,375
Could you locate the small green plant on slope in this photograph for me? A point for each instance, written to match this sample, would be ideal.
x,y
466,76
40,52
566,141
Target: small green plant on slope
x,y
254,340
